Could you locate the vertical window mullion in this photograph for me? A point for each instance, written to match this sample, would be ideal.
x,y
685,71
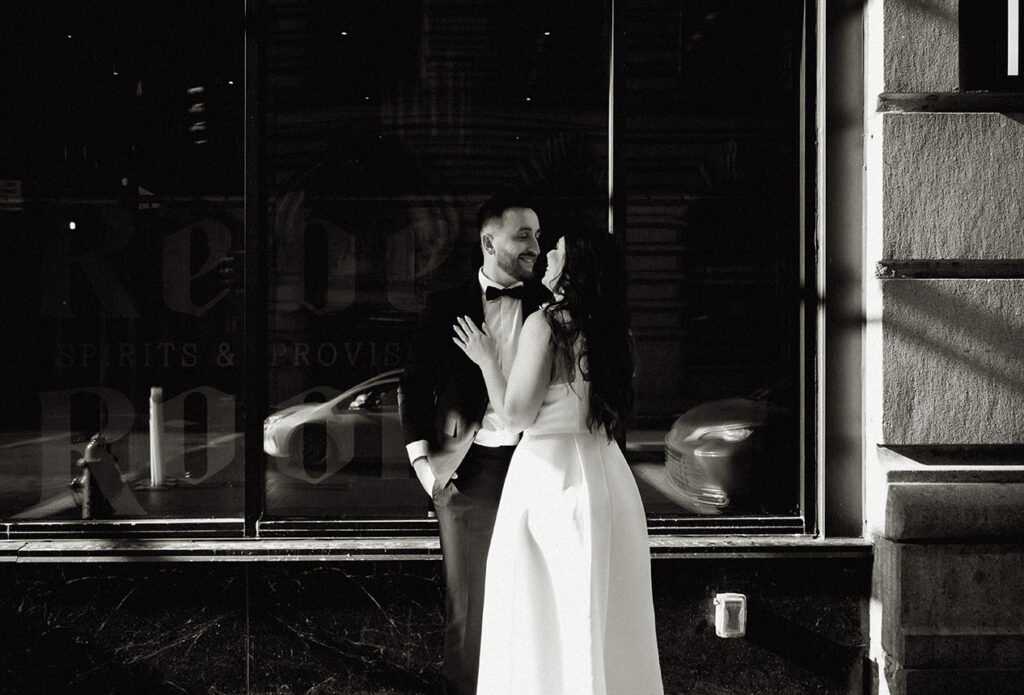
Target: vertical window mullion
x,y
254,328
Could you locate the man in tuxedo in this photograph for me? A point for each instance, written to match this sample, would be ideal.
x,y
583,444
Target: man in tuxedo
x,y
458,447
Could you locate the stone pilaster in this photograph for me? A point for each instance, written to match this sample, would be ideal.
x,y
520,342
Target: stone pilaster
x,y
945,389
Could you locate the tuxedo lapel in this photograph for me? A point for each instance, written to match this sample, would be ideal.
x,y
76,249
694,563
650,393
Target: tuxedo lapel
x,y
474,302
470,304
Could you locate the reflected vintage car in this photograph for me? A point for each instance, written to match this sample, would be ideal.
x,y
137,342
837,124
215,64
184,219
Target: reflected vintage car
x,y
359,430
732,455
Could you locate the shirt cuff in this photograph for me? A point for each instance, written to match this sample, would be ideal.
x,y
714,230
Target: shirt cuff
x,y
416,450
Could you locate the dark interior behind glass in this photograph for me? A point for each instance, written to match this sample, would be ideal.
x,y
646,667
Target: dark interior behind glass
x,y
122,221
382,127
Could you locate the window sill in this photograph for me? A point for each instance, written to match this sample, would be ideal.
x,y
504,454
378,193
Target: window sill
x,y
395,548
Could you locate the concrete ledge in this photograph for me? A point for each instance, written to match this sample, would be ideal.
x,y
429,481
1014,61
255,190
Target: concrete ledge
x,y
226,550
952,511
930,463
949,269
9,550
410,548
952,464
957,605
938,651
947,681
951,102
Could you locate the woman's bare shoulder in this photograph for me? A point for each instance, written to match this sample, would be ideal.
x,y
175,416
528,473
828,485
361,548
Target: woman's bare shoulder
x,y
536,326
547,316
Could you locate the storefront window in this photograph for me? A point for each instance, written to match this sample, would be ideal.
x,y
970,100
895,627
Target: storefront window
x,y
129,201
122,222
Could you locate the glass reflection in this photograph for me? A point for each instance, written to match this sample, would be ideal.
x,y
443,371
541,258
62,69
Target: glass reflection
x,y
387,128
123,161
388,124
709,133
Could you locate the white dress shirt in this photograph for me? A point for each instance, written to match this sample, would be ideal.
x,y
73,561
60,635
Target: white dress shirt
x,y
504,319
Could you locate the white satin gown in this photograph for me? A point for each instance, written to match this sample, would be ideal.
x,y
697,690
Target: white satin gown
x,y
568,607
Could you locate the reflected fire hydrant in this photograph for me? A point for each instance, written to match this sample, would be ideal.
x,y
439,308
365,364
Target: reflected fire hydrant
x,y
103,493
94,504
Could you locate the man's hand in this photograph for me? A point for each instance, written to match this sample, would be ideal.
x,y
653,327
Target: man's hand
x,y
424,474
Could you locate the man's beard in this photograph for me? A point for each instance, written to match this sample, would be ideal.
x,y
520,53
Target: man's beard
x,y
513,267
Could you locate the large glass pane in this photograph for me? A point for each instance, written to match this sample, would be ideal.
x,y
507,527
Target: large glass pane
x,y
388,124
708,138
121,223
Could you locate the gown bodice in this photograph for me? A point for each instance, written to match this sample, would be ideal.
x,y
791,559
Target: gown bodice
x,y
563,410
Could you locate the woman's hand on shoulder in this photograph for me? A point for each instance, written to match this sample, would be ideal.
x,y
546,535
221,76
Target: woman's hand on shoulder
x,y
478,343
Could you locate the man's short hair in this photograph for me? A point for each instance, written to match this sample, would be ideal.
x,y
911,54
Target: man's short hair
x,y
495,206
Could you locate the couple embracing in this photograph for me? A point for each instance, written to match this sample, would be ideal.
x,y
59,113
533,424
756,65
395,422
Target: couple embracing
x,y
512,400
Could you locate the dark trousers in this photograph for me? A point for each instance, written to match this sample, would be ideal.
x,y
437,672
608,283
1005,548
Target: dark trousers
x,y
465,509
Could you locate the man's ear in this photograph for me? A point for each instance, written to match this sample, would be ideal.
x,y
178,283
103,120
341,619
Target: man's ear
x,y
487,243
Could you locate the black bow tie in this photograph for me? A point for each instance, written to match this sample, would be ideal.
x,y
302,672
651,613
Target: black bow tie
x,y
498,292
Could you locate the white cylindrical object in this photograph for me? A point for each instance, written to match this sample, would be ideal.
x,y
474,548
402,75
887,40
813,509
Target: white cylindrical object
x,y
156,436
730,615
1013,38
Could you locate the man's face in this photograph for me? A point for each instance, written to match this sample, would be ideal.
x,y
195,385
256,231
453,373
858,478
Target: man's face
x,y
514,245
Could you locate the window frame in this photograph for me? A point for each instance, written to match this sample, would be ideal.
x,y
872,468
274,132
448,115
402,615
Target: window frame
x,y
832,228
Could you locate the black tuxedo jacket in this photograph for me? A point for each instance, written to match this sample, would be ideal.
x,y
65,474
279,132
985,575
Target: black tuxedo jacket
x,y
443,395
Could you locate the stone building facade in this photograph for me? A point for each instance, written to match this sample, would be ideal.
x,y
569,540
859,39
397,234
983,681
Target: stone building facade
x,y
943,354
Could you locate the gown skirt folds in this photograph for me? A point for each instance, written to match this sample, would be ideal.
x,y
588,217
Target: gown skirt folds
x,y
568,608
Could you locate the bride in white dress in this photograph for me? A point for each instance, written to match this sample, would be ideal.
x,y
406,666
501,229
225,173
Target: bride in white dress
x,y
567,603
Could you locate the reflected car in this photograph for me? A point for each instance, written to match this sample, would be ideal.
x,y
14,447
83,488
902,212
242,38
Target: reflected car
x,y
732,455
359,430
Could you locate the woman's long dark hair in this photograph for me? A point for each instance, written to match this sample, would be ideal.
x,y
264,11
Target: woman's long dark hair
x,y
593,307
